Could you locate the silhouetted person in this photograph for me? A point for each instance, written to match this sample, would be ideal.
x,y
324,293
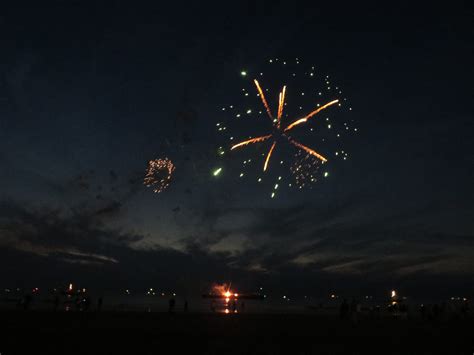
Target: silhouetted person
x,y
185,305
423,311
77,303
213,305
26,302
395,310
443,310
171,305
100,302
86,302
429,311
344,309
465,309
234,306
242,306
56,303
354,310
377,312
435,311
403,311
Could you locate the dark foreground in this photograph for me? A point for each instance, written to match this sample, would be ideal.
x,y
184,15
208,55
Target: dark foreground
x,y
161,333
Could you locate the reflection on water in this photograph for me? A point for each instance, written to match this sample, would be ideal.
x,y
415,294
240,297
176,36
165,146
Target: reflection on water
x,y
227,306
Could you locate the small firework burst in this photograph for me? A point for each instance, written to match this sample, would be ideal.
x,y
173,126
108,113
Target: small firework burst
x,y
158,174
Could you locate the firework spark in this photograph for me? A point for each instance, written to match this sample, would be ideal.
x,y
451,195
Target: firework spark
x,y
279,131
280,106
268,156
158,174
305,169
250,141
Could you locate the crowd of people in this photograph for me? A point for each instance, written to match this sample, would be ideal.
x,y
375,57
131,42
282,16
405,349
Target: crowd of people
x,y
352,311
77,302
445,310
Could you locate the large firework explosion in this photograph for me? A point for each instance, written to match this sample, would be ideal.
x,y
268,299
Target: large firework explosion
x,y
299,138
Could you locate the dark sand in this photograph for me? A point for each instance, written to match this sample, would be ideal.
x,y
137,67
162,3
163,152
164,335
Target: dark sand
x,y
194,333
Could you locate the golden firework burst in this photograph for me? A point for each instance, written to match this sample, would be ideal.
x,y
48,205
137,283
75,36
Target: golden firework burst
x,y
279,131
158,174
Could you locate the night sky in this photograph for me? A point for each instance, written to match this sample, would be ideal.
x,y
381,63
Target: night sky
x,y
89,93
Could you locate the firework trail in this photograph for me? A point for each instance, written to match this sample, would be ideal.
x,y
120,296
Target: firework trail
x,y
250,141
308,116
308,150
262,96
268,156
280,106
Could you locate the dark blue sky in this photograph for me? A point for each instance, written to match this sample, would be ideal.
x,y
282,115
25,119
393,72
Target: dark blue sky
x,y
90,92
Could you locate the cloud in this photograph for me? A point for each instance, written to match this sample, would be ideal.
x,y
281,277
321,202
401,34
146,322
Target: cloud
x,y
233,244
57,245
330,241
333,239
67,235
